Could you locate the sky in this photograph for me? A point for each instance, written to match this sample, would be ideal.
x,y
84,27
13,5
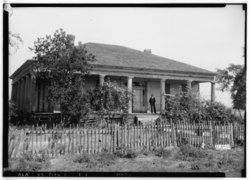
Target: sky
x,y
209,38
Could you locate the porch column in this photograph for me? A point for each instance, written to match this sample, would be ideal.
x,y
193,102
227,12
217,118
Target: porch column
x,y
101,79
162,100
22,94
130,82
15,92
189,85
26,93
18,93
212,92
12,92
33,96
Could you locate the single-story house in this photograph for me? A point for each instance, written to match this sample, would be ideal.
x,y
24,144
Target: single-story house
x,y
140,71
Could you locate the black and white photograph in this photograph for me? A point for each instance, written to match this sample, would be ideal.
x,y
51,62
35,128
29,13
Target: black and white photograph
x,y
145,90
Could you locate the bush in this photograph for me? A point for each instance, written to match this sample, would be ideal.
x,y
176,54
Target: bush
x,y
163,153
181,165
103,159
106,159
195,166
30,162
210,161
190,153
186,106
125,153
225,160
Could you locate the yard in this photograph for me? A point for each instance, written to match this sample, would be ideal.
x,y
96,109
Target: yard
x,y
153,148
181,159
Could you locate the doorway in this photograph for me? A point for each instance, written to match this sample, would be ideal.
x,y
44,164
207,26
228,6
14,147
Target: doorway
x,y
139,98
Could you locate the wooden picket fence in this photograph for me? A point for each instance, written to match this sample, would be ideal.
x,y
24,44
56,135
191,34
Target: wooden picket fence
x,y
115,137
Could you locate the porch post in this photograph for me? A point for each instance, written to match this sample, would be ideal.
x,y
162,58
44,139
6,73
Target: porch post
x,y
12,92
18,93
212,92
33,96
130,82
101,79
26,93
162,100
22,94
189,85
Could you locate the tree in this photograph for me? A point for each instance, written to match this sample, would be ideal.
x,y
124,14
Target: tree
x,y
14,41
65,66
233,79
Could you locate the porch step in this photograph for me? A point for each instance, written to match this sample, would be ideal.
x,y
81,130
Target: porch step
x,y
144,118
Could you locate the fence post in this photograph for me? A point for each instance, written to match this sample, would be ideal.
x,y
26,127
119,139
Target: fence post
x,y
173,134
211,132
117,135
114,134
232,135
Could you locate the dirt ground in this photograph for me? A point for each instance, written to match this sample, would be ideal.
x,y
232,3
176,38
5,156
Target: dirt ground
x,y
231,162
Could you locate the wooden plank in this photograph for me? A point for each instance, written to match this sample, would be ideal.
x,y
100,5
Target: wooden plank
x,y
32,139
137,138
98,142
95,147
91,140
128,136
146,137
87,138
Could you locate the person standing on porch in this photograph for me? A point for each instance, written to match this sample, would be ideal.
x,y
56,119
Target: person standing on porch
x,y
152,104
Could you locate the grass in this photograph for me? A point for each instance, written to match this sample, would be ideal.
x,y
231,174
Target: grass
x,y
161,160
190,153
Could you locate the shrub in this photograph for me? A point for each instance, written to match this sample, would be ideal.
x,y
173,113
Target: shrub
x,y
186,106
106,159
210,161
103,159
195,166
86,158
125,153
190,153
239,142
163,153
181,165
30,162
225,160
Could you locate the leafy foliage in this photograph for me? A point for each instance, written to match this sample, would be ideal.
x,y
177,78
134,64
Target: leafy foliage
x,y
65,65
186,106
183,106
233,79
109,98
14,42
190,153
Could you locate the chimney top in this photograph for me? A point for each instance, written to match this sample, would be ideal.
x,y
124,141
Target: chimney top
x,y
148,51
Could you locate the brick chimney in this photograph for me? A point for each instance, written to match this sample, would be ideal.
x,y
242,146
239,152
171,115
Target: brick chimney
x,y
148,51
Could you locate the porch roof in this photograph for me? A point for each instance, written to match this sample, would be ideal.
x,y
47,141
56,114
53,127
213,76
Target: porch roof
x,y
120,56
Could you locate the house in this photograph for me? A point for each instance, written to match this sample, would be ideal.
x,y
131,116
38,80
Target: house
x,y
140,71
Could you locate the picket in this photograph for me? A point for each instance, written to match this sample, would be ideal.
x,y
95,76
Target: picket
x,y
135,137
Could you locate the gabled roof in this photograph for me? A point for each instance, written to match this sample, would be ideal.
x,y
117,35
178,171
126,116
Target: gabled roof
x,y
119,56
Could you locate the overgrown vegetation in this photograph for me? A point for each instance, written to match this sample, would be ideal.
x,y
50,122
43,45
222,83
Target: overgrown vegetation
x,y
65,66
190,153
165,153
30,162
187,106
100,160
109,99
125,153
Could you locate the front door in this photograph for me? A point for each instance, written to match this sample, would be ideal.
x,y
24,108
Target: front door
x,y
139,99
